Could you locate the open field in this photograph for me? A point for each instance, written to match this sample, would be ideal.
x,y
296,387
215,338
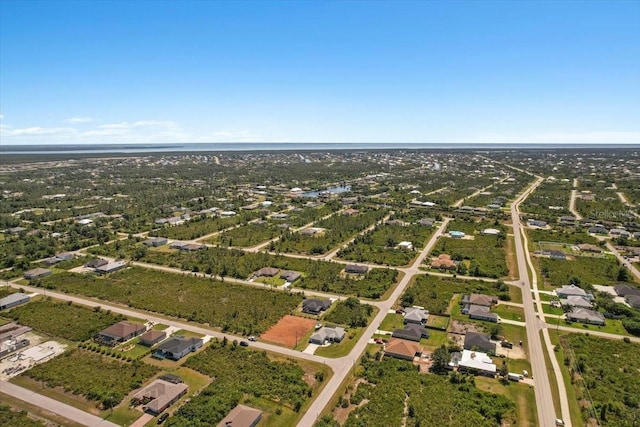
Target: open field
x,y
288,331
594,271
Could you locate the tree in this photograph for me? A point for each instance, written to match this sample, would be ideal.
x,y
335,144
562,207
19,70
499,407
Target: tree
x,y
504,370
495,330
440,359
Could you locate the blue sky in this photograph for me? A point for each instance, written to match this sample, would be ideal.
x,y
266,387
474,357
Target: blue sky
x,y
334,71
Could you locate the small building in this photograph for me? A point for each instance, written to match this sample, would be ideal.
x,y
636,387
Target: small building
x,y
427,222
290,276
623,290
120,332
597,230
566,219
456,234
477,341
584,315
13,300
619,232
588,247
266,272
156,241
152,337
65,256
356,269
475,361
37,273
411,332
327,335
633,300
111,267
95,263
491,231
403,349
159,395
536,223
175,348
416,315
315,306
241,416
555,254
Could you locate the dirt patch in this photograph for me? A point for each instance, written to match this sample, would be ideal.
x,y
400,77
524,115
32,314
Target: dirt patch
x,y
288,330
511,259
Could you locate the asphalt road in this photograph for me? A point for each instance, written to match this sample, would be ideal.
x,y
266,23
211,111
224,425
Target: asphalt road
x,y
54,406
544,399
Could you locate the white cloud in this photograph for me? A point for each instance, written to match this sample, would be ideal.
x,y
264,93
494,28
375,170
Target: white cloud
x,y
1,116
562,138
7,131
75,120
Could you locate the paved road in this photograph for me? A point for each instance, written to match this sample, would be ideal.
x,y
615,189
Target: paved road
x,y
544,399
54,406
345,364
632,269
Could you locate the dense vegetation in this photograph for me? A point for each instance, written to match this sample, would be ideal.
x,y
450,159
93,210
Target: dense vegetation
x,y
608,370
236,308
247,235
9,418
202,225
63,320
350,312
568,235
380,245
435,292
98,378
581,271
238,372
397,383
318,275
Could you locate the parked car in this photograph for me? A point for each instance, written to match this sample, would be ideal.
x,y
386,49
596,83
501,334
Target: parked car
x,y
253,338
163,418
244,343
318,325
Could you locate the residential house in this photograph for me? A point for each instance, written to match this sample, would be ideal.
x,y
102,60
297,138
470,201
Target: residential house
x,y
266,272
619,232
159,395
566,291
156,241
588,247
491,231
356,269
475,361
584,315
402,349
13,300
598,229
567,220
406,245
456,234
111,267
480,312
536,223
555,254
411,332
120,332
95,263
315,306
290,276
327,335
152,337
633,300
477,341
444,262
37,273
427,222
576,301
241,416
417,315
623,290
479,299
175,348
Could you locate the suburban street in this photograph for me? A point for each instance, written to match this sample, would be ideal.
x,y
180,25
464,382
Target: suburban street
x,y
544,399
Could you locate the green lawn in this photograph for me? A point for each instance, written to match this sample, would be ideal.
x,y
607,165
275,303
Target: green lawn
x,y
509,312
435,340
342,349
549,309
392,321
612,326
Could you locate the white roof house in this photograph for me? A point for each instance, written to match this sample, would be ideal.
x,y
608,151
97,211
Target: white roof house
x,y
477,360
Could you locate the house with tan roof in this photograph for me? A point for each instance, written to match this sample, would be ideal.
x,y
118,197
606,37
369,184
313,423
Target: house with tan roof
x,y
403,349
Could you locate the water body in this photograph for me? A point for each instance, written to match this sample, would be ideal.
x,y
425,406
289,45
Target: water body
x,y
279,146
332,190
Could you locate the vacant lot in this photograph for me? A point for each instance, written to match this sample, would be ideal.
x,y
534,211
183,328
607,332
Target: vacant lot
x,y
236,308
62,320
594,271
288,331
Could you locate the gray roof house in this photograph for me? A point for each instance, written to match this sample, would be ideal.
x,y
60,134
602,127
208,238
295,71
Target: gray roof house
x,y
327,334
120,332
633,300
623,290
159,395
479,299
156,241
315,306
356,269
13,300
290,276
177,347
241,416
95,263
566,291
111,267
474,340
412,332
584,315
480,312
37,273
417,315
576,301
